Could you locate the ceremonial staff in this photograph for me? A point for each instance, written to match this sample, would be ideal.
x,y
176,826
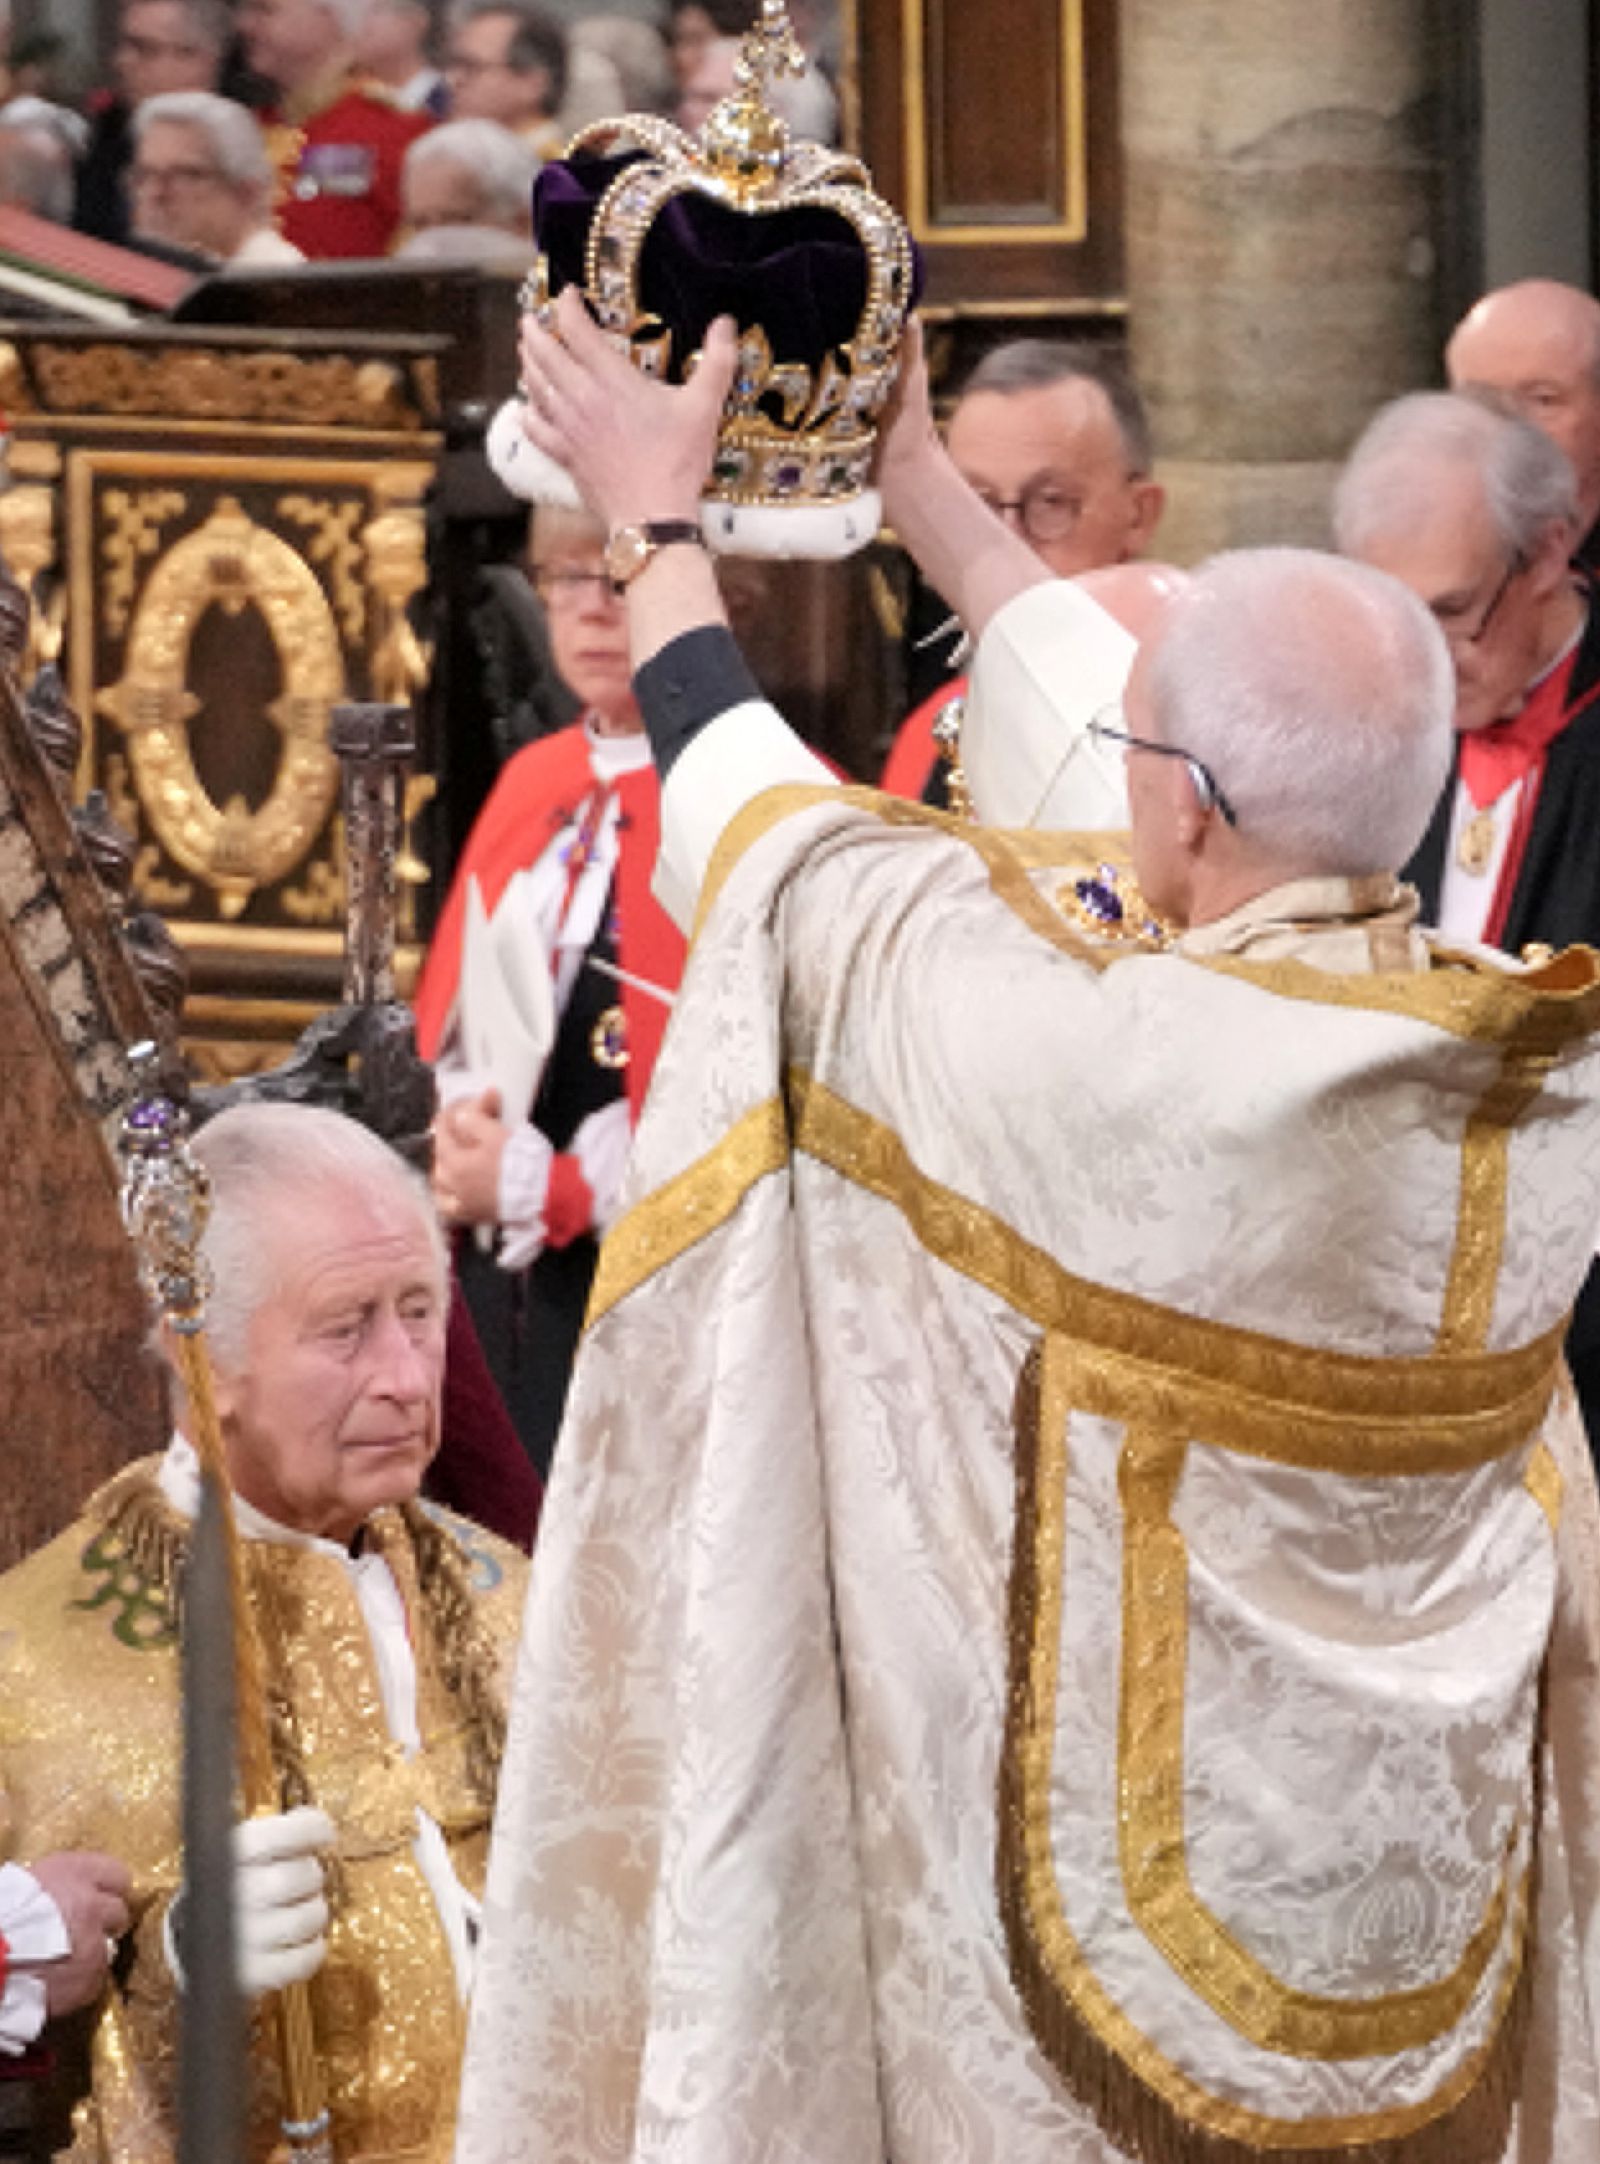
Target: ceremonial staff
x,y
166,1202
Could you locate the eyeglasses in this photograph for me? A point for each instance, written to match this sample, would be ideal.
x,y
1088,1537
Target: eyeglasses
x,y
1449,619
1206,786
464,64
182,177
1045,511
566,587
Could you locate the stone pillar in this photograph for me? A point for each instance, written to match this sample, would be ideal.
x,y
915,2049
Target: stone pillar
x,y
1286,215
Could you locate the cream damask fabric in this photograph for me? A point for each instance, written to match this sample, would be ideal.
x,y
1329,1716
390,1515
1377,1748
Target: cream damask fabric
x,y
1037,1642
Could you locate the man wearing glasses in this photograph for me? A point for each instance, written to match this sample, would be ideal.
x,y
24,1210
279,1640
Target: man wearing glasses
x,y
1054,437
561,857
162,47
1047,1511
1476,511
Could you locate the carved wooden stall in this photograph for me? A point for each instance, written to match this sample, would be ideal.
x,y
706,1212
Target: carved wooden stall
x,y
222,532
79,1395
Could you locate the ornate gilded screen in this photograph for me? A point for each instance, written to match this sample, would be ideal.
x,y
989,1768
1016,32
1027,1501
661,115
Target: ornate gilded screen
x,y
222,533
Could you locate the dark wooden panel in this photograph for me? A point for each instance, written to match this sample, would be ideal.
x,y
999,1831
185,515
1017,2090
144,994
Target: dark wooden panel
x,y
1020,171
996,132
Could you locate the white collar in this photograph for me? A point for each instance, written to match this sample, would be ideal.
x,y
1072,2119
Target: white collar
x,y
610,756
179,1481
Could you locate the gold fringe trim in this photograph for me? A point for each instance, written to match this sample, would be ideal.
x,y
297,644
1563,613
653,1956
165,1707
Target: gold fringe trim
x,y
1473,2122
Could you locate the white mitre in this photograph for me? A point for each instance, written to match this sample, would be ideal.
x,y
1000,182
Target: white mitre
x,y
1046,665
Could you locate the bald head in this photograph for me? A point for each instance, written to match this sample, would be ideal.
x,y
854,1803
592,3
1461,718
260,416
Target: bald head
x,y
1537,345
1317,692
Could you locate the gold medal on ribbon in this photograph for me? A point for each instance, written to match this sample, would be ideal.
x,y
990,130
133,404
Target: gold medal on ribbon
x,y
608,1040
1476,845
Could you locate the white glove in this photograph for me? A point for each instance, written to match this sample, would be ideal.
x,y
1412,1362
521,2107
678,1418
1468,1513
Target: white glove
x,y
281,1911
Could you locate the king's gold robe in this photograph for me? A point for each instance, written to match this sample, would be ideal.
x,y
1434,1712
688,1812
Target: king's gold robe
x,y
1086,1646
90,1755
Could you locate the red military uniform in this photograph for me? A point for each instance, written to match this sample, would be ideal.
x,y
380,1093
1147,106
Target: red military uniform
x,y
339,171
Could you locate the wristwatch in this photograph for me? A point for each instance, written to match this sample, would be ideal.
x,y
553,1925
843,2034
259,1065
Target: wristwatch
x,y
630,548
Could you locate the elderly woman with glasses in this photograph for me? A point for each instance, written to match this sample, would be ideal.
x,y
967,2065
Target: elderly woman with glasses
x,y
559,864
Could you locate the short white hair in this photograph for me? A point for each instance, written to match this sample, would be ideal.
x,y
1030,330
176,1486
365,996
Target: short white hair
x,y
261,1158
499,161
46,140
234,134
1527,480
1319,693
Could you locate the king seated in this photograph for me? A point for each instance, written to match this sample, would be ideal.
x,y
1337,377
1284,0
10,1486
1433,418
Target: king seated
x,y
385,1629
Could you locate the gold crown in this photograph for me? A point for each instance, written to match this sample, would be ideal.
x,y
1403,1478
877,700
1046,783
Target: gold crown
x,y
792,432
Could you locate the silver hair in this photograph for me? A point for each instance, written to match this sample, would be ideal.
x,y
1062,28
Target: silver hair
x,y
500,162
1528,482
48,141
234,134
1319,693
261,1158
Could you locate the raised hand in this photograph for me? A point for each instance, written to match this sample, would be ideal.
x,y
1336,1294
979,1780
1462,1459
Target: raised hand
x,y
636,447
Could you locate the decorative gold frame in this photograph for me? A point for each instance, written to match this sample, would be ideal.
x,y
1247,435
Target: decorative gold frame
x,y
1073,226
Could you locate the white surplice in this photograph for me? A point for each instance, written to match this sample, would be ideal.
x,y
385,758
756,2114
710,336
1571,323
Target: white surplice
x,y
1066,1613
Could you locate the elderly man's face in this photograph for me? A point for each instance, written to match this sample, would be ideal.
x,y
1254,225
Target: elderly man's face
x,y
178,192
1054,458
336,1409
1541,355
588,621
1489,606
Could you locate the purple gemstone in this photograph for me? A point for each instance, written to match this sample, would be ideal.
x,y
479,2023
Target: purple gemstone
x,y
151,1115
786,477
1101,901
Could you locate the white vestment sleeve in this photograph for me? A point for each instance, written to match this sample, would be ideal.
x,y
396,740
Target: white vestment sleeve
x,y
733,759
1047,663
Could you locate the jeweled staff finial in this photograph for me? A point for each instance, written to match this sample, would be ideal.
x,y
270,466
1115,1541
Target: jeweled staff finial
x,y
166,1196
743,141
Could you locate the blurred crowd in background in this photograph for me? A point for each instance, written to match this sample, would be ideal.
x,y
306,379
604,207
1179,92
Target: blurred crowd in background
x,y
266,131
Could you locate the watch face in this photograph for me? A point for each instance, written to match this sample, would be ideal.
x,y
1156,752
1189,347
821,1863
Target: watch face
x,y
627,552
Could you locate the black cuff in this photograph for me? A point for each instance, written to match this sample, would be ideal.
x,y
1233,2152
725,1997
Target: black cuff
x,y
693,679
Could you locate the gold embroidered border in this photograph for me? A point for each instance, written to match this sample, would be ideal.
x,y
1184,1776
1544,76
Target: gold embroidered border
x,y
1544,1483
1008,857
1540,1011
1135,2093
675,1217
1162,1900
1474,1274
1536,1012
1260,1396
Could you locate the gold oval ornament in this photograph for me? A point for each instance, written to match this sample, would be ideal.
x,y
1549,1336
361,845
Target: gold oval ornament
x,y
232,563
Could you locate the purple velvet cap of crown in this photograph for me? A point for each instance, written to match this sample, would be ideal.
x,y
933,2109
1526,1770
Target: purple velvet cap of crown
x,y
799,272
